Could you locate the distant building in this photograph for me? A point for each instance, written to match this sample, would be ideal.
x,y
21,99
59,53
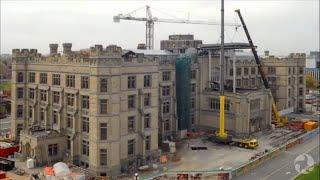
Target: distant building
x,y
179,43
313,65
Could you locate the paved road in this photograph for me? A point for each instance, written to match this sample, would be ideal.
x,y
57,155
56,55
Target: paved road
x,y
282,167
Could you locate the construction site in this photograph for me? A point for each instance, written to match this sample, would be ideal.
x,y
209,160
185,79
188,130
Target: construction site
x,y
187,111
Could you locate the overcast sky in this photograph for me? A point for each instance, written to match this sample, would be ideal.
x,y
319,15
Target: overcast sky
x,y
281,26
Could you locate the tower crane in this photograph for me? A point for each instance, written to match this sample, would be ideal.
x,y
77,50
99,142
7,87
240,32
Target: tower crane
x,y
150,20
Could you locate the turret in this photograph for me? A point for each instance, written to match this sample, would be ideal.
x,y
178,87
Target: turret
x,y
67,48
53,48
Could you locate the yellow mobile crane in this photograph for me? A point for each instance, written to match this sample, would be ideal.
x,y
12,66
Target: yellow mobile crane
x,y
277,119
222,136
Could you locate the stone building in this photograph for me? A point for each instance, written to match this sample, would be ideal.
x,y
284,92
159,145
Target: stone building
x,y
97,108
179,43
247,110
167,118
287,80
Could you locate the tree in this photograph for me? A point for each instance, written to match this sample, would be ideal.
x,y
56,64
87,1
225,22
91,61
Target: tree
x,y
311,83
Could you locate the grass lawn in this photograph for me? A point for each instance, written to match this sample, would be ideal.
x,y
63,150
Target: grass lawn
x,y
312,175
5,86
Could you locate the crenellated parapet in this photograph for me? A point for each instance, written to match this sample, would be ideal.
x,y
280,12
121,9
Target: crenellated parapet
x,y
94,56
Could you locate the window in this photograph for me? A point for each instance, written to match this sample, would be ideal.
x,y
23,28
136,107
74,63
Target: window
x,y
85,148
42,115
289,92
167,125
300,104
85,124
85,102
56,97
68,142
238,82
289,81
148,143
147,99
253,70
166,91
255,105
271,70
70,99
103,106
43,95
193,103
147,119
301,70
30,112
166,107
300,91
131,101
253,81
70,81
85,81
193,74
32,77
20,77
192,119
31,93
193,87
231,72
69,121
166,76
43,78
215,104
103,85
293,70
238,71
131,145
20,93
53,149
103,131
131,82
246,71
55,117
103,157
245,82
131,124
56,79
147,81
301,81
289,70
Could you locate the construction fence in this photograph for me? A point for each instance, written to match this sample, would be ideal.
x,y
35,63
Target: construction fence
x,y
274,153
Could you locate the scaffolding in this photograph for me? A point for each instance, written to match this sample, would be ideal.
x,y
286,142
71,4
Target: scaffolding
x,y
183,68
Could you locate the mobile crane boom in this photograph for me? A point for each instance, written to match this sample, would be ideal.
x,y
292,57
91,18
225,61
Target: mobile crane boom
x,y
277,119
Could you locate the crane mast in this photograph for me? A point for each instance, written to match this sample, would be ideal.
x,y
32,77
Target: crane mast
x,y
277,119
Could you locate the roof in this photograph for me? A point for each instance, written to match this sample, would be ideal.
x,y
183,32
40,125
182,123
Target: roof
x,y
149,52
226,46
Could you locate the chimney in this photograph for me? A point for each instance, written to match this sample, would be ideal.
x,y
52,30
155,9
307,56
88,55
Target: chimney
x,y
266,53
53,48
67,48
98,47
